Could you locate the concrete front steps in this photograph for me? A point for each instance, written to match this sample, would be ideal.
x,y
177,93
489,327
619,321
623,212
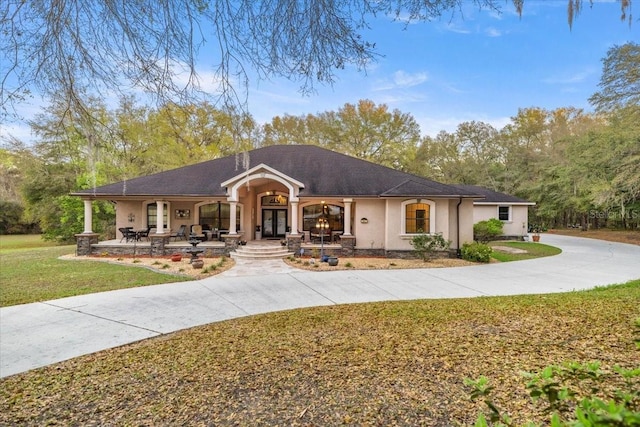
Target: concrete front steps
x,y
261,251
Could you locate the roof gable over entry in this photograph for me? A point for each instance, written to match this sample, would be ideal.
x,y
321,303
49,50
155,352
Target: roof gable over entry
x,y
315,170
260,173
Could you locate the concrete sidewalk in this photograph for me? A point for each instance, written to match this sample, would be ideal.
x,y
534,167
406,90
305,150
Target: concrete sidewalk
x,y
39,334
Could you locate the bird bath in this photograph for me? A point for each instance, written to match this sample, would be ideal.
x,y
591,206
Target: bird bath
x,y
194,251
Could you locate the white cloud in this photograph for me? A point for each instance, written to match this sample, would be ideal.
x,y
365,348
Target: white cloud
x,y
570,78
403,79
400,79
493,32
455,28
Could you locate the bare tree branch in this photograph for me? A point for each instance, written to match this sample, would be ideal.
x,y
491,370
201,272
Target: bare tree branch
x,y
79,48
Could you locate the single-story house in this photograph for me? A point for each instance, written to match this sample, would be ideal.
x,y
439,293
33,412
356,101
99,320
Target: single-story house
x,y
512,211
285,193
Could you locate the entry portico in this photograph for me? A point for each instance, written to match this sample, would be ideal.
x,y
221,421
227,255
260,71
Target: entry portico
x,y
261,175
283,192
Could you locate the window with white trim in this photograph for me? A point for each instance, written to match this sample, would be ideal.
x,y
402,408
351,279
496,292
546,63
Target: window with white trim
x,y
418,217
152,209
504,213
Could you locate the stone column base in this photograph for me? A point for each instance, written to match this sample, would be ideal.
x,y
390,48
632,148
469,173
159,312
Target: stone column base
x,y
231,242
348,244
84,242
158,243
294,243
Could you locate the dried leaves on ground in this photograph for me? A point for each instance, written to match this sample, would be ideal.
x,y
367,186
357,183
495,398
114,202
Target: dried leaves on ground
x,y
391,363
621,236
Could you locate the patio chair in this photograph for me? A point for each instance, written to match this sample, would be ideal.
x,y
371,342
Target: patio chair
x,y
196,232
127,234
180,234
144,234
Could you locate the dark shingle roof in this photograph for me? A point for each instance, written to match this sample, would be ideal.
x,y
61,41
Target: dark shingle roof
x,y
323,173
490,196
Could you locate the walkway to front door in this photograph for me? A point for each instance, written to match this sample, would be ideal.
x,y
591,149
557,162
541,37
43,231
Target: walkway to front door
x,y
274,223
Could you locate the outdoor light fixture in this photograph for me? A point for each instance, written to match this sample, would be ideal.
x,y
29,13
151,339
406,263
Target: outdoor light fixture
x,y
364,221
132,217
322,225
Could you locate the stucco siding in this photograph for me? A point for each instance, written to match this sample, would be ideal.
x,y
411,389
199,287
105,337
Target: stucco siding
x,y
372,234
466,222
517,224
395,214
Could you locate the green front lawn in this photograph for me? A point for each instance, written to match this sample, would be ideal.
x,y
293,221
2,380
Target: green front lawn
x,y
534,250
32,271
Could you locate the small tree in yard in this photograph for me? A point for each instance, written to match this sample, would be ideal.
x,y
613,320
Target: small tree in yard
x,y
427,245
485,231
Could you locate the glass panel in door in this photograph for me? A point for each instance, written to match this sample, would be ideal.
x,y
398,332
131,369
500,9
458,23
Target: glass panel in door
x,y
274,223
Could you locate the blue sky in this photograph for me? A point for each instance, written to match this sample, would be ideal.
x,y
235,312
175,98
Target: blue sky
x,y
479,66
482,66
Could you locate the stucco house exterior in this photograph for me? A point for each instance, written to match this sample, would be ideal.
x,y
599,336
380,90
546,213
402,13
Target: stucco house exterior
x,y
512,211
283,193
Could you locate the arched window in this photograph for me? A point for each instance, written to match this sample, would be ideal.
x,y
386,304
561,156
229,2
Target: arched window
x,y
152,209
332,213
418,217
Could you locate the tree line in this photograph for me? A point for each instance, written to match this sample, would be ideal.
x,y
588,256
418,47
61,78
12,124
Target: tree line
x,y
581,168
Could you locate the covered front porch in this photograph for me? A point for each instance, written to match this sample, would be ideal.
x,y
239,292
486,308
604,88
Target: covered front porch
x,y
258,204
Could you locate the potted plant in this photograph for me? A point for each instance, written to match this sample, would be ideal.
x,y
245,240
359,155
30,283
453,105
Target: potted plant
x,y
536,233
333,261
176,257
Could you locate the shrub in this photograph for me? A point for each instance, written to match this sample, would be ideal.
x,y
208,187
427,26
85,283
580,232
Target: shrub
x,y
573,394
427,245
476,252
485,231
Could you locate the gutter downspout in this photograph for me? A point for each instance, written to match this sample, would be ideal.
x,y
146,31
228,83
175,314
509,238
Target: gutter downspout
x,y
458,251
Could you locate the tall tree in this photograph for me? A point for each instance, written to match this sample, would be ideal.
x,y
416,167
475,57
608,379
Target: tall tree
x,y
479,147
366,130
440,159
620,80
372,132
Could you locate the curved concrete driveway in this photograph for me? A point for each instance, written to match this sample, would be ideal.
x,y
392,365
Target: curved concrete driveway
x,y
38,334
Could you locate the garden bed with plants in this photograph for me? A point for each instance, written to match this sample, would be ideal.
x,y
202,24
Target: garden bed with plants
x,y
373,263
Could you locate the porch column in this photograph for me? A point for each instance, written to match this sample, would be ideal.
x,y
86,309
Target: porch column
x,y
294,219
159,217
347,217
232,220
88,217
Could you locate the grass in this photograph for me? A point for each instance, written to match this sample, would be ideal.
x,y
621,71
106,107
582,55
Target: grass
x,y
389,363
534,250
15,242
31,271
